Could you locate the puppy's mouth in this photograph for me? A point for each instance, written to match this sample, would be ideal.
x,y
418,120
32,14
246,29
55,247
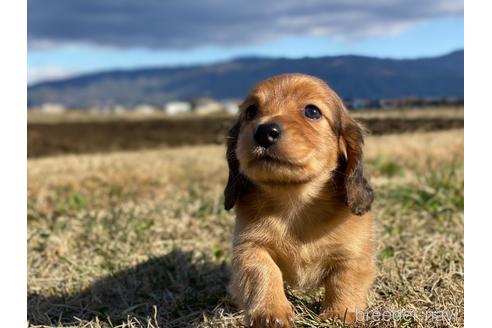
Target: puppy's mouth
x,y
263,156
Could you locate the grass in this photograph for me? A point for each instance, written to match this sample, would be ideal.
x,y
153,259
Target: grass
x,y
140,239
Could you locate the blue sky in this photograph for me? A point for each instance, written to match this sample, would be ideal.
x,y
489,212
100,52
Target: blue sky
x,y
84,39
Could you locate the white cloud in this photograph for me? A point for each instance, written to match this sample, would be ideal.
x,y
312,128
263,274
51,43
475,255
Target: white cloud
x,y
190,24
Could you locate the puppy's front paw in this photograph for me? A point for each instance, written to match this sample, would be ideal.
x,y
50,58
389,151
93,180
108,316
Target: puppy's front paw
x,y
342,315
275,316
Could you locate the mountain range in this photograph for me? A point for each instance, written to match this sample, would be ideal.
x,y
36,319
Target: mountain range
x,y
352,77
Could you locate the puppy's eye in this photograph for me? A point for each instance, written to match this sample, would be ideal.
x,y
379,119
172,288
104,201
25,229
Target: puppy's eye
x,y
251,112
312,112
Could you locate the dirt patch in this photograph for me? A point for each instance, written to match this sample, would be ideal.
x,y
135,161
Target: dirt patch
x,y
46,139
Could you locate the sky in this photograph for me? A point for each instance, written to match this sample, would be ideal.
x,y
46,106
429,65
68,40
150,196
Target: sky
x,y
67,38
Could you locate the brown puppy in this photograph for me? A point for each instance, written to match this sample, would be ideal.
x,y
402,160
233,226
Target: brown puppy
x,y
296,179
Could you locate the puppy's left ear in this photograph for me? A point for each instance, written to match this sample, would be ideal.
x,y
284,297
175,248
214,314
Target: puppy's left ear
x,y
237,183
359,193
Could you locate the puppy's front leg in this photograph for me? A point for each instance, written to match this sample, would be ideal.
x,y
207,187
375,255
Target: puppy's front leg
x,y
346,291
257,287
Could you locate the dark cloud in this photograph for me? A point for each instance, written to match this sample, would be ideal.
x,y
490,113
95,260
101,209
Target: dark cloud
x,y
175,24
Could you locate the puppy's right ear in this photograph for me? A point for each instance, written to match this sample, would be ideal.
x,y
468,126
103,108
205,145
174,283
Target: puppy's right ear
x,y
359,194
237,183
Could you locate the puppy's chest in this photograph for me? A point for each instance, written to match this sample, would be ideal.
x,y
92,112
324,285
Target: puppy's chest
x,y
306,260
305,248
306,264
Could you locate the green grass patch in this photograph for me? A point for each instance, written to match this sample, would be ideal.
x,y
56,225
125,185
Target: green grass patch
x,y
386,167
439,193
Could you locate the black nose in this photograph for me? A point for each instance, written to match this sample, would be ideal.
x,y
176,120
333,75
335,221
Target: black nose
x,y
267,134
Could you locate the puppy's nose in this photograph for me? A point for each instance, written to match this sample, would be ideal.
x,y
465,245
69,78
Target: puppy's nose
x,y
267,134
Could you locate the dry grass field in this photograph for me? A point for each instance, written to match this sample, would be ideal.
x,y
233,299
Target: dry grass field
x,y
141,239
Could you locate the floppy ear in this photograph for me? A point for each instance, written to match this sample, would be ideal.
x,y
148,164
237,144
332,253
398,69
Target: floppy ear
x,y
358,192
237,183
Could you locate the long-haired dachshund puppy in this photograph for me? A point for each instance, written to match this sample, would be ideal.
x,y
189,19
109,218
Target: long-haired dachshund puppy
x,y
296,178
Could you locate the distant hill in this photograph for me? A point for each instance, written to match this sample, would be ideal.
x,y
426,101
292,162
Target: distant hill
x,y
355,77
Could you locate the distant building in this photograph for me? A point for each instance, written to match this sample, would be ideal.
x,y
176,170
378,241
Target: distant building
x,y
52,108
118,109
177,107
144,109
411,102
206,106
231,106
107,109
94,110
362,103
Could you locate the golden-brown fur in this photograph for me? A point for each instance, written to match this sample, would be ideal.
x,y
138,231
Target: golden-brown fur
x,y
302,213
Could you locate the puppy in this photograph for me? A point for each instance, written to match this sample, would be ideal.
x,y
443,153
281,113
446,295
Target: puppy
x,y
296,178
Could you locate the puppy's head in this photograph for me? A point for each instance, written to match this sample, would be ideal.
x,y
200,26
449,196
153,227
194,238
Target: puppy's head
x,y
291,130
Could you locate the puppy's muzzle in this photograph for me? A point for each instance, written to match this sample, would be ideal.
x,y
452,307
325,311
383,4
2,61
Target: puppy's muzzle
x,y
267,134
